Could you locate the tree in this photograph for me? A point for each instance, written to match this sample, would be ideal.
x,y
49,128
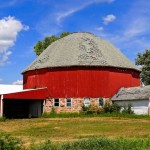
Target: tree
x,y
144,61
42,45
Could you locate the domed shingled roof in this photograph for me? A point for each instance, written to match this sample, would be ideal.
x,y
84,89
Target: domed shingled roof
x,y
81,49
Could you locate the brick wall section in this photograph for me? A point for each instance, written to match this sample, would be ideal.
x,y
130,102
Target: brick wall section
x,y
77,104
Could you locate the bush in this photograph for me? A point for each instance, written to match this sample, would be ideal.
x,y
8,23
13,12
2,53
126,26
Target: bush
x,y
97,144
48,145
127,109
10,143
92,109
115,108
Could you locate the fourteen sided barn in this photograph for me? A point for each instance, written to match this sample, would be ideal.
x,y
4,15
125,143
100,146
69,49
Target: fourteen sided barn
x,y
79,69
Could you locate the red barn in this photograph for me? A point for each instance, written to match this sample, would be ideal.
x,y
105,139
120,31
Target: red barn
x,y
75,70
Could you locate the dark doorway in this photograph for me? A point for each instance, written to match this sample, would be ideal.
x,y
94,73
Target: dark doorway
x,y
22,108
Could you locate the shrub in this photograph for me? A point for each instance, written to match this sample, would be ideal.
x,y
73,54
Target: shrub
x,y
112,108
97,144
48,145
92,109
127,109
2,119
10,143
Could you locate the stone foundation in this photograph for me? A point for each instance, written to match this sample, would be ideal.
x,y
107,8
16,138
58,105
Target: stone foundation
x,y
76,106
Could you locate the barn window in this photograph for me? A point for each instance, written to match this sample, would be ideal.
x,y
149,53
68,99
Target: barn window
x,y
68,102
100,102
56,102
86,102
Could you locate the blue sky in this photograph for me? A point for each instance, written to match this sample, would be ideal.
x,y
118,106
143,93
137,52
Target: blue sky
x,y
124,23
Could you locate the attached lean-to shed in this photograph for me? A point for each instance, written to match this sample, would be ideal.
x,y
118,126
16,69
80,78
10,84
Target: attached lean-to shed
x,y
138,97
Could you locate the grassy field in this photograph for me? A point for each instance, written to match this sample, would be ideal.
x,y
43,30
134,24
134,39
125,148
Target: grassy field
x,y
70,129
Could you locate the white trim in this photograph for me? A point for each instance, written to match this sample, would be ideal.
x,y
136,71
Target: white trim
x,y
85,104
54,102
66,102
1,113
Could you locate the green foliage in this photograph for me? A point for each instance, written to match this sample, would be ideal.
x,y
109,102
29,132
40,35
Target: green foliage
x,y
2,119
10,143
97,144
42,45
127,109
48,145
109,108
144,61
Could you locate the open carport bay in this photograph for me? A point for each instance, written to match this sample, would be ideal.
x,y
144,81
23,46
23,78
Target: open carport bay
x,y
22,108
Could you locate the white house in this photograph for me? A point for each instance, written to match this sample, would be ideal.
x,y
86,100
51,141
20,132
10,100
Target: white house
x,y
138,97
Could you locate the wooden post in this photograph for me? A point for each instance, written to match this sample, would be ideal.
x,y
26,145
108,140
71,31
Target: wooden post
x,y
149,107
1,106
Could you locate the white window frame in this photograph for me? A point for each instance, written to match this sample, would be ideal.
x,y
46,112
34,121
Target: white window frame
x,y
85,102
70,102
54,102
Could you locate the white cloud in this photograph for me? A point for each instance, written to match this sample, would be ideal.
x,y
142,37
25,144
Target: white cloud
x,y
109,18
9,29
66,13
18,82
108,1
100,28
1,80
137,27
53,22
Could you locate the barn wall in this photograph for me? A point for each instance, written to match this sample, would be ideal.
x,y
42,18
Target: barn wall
x,y
0,107
76,105
81,82
122,78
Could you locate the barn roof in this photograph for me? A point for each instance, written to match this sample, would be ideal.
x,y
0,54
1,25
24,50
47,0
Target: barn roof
x,y
81,49
133,93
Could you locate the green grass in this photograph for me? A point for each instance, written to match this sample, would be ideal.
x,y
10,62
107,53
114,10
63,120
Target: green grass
x,y
2,119
11,143
72,129
98,144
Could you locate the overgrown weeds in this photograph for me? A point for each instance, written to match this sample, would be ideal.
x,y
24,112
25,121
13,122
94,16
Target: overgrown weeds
x,y
96,144
8,142
108,110
11,143
2,119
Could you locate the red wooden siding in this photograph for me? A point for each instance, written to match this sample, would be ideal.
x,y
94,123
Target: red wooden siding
x,y
81,82
0,105
37,94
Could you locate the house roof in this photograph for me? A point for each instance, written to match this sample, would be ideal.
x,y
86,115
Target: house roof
x,y
133,93
81,49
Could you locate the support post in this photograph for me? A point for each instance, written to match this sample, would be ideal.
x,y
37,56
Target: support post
x,y
1,106
149,107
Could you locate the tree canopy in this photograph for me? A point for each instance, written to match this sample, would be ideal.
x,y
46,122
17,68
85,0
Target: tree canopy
x,y
42,45
144,61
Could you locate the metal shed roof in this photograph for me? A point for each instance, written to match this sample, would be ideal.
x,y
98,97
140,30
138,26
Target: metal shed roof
x,y
133,93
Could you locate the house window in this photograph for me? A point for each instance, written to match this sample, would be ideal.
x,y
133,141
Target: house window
x,y
86,102
56,102
68,102
100,101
